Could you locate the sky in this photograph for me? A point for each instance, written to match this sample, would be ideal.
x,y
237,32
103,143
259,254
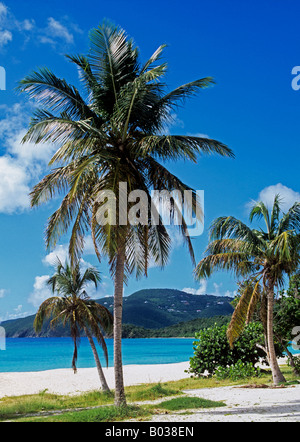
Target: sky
x,y
250,48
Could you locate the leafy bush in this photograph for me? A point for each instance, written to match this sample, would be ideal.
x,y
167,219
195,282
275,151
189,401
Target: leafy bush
x,y
212,350
240,370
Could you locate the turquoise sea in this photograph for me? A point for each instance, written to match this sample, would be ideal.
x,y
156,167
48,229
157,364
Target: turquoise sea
x,y
23,355
41,354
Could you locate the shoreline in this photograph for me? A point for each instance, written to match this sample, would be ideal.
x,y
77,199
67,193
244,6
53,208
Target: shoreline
x,y
63,381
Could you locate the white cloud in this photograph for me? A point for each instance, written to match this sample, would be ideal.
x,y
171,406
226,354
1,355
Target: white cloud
x,y
202,290
56,30
18,313
22,164
53,33
60,252
14,188
3,10
89,248
5,37
2,293
289,196
25,25
41,291
230,294
56,33
205,290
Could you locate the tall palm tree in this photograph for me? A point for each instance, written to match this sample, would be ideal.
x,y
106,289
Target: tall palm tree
x,y
74,308
112,134
264,256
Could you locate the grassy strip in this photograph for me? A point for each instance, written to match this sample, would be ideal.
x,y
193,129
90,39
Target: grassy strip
x,y
112,413
186,403
15,407
103,414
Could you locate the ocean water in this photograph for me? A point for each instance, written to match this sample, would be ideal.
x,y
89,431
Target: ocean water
x,y
23,355
41,354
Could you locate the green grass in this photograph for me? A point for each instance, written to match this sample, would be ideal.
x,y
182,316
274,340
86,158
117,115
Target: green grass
x,y
185,403
155,392
103,414
18,406
12,407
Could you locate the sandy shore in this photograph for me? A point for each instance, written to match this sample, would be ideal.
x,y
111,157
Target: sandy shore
x,y
243,405
64,381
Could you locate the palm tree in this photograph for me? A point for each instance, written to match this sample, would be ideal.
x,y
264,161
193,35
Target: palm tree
x,y
73,307
265,257
109,135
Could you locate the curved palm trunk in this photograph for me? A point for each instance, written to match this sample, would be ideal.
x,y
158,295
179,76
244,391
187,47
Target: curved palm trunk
x,y
276,372
104,384
120,399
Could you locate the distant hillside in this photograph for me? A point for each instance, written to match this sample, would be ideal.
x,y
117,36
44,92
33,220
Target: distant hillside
x,y
186,329
150,309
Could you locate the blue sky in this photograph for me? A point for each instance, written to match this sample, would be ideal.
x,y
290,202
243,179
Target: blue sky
x,y
250,48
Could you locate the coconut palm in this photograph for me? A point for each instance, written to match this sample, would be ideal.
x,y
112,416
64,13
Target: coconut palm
x,y
264,256
111,134
74,308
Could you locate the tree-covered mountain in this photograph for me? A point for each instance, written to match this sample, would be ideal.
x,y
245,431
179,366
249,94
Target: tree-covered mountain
x,y
149,309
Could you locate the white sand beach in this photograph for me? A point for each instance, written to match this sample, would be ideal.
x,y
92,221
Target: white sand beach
x,y
64,381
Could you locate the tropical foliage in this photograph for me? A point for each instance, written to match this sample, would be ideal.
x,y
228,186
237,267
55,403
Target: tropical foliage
x,y
237,371
265,257
287,315
74,308
212,351
112,133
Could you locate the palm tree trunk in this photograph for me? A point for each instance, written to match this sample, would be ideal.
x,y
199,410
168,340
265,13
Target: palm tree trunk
x,y
120,399
291,361
104,384
276,373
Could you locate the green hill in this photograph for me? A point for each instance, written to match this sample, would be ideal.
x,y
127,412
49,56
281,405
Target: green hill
x,y
149,309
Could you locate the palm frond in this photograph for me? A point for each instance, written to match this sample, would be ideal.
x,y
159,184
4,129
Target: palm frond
x,y
237,262
248,300
259,210
58,95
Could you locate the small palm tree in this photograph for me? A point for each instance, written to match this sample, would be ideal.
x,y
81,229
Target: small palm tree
x,y
112,133
264,256
75,309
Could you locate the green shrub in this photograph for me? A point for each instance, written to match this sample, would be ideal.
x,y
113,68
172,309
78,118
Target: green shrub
x,y
212,350
240,370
